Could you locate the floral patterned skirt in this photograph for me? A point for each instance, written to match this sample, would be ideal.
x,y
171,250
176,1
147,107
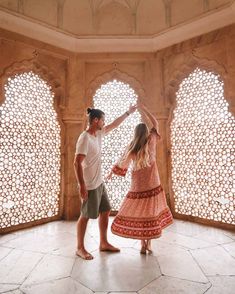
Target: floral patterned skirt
x,y
142,215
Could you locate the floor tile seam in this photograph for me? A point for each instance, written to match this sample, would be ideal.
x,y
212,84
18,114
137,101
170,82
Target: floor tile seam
x,y
211,285
175,244
26,250
215,242
187,280
42,282
72,267
150,282
33,269
2,243
227,251
230,236
196,236
202,248
84,285
186,235
18,258
196,282
198,265
217,276
50,253
7,253
227,243
184,247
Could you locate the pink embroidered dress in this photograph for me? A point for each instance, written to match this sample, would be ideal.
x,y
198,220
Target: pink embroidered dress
x,y
144,211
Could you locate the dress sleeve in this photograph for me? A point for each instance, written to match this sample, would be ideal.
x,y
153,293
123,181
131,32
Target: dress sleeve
x,y
117,170
154,132
121,167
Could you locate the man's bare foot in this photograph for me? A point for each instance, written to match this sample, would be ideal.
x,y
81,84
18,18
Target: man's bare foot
x,y
109,247
84,254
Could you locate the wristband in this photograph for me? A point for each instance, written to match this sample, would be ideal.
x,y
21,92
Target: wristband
x,y
127,113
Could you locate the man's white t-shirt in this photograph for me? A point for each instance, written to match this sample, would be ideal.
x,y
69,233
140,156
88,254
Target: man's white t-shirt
x,y
90,146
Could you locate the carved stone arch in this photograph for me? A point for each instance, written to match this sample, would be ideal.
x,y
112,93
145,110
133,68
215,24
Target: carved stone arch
x,y
109,76
189,65
57,89
172,85
41,70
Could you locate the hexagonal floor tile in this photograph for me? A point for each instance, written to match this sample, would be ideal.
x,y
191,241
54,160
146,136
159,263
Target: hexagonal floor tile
x,y
183,266
111,272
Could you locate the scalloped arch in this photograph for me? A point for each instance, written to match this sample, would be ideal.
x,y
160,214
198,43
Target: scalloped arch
x,y
109,76
43,71
172,86
188,67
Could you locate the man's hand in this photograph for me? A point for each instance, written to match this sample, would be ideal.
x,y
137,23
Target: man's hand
x,y
120,119
83,192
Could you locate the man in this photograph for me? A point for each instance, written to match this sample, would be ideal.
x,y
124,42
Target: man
x,y
87,165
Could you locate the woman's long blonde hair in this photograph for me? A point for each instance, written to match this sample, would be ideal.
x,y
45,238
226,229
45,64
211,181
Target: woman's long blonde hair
x,y
139,147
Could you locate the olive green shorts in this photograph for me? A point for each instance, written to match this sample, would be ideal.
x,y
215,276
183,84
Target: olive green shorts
x,y
96,203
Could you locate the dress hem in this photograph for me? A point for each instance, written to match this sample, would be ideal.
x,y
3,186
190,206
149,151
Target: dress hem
x,y
142,238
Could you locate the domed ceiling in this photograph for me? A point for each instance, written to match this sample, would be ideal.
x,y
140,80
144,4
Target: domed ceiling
x,y
77,25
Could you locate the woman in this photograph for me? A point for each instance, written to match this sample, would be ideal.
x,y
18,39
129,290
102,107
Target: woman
x,y
144,211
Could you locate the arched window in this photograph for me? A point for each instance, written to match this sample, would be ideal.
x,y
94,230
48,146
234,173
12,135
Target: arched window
x,y
114,98
203,149
29,152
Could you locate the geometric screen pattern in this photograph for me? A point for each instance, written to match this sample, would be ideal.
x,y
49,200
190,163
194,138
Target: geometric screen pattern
x,y
203,149
114,98
29,152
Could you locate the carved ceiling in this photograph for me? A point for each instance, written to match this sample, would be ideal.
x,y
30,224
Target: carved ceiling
x,y
115,20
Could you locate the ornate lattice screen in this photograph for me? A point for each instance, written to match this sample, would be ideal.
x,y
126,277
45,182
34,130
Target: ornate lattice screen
x,y
29,152
114,98
203,149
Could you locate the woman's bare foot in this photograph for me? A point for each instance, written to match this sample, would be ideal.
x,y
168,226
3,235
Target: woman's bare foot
x,y
143,247
109,247
149,249
84,254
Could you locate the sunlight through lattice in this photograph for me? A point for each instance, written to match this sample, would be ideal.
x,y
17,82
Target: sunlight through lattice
x,y
29,152
203,145
114,98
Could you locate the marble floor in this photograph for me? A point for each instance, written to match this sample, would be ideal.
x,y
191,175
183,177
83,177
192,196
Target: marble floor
x,y
188,259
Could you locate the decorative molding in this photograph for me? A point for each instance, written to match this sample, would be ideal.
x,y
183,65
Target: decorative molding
x,y
60,7
192,62
21,6
73,118
43,71
167,4
206,5
108,76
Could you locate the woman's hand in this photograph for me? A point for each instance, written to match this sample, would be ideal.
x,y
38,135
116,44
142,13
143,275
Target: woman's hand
x,y
132,109
142,106
109,176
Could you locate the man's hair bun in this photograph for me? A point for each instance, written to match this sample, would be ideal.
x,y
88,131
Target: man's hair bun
x,y
94,113
89,110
